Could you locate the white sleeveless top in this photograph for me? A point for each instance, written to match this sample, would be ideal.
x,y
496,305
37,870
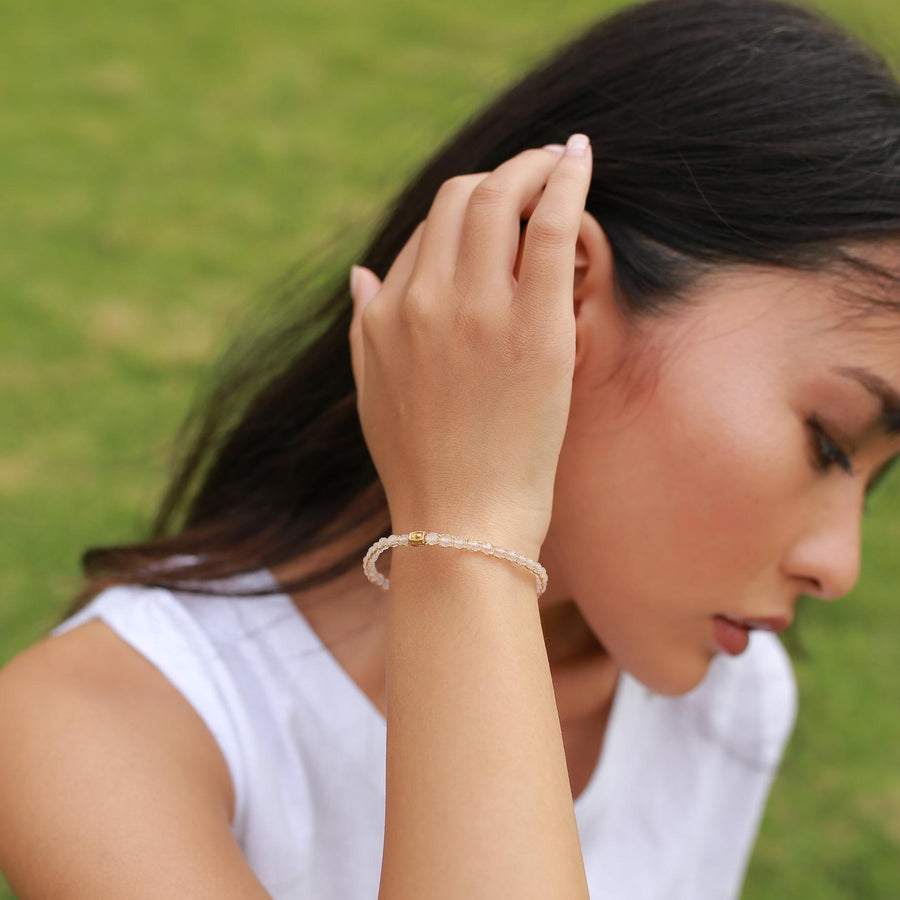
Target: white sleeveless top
x,y
671,811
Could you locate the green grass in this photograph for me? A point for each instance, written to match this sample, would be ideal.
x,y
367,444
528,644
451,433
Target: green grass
x,y
162,161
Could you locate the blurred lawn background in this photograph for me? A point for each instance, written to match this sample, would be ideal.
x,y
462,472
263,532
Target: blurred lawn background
x,y
162,161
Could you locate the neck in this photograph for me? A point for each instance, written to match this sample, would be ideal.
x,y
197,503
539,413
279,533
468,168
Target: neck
x,y
584,675
566,633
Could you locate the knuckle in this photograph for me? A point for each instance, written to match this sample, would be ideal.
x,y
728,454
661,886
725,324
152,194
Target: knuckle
x,y
489,192
414,308
416,294
549,229
569,175
457,184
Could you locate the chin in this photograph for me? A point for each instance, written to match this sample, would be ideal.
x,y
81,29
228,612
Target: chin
x,y
675,680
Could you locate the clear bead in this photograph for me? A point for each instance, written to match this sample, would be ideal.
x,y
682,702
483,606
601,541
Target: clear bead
x,y
459,542
445,540
431,538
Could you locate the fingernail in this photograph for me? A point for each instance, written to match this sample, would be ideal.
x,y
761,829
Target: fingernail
x,y
354,280
577,145
556,148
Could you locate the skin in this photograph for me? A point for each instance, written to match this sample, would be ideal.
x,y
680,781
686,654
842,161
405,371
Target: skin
x,y
699,491
688,483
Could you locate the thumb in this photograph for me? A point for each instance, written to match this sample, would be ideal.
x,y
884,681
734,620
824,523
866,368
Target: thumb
x,y
364,285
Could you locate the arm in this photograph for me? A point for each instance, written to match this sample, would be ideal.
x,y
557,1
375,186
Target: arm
x,y
112,786
463,360
478,796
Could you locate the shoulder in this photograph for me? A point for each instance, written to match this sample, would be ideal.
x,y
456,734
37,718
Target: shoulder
x,y
99,749
92,677
214,653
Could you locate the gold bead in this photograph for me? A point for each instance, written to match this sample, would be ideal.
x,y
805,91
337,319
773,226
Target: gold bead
x,y
416,538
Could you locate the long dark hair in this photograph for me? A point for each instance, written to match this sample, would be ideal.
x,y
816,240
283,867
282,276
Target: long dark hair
x,y
749,131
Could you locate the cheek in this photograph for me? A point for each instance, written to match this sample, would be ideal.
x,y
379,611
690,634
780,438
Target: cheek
x,y
688,496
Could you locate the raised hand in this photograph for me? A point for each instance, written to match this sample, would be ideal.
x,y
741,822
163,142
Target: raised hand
x,y
464,371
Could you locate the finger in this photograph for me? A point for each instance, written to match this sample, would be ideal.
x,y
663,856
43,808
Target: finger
x,y
367,285
533,202
528,212
548,256
398,275
369,290
439,248
362,289
491,228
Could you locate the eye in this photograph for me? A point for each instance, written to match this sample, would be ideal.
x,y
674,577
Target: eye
x,y
827,451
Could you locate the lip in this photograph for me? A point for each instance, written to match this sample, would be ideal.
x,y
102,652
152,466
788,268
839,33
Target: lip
x,y
768,623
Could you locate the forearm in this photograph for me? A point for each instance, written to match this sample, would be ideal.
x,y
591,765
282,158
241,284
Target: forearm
x,y
478,797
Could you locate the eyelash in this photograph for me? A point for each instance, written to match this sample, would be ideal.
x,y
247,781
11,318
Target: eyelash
x,y
827,451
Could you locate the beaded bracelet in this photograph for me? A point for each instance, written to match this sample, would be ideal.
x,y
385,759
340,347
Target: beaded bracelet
x,y
418,538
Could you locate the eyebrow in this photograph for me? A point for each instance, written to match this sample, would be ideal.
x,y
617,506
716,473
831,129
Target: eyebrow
x,y
881,390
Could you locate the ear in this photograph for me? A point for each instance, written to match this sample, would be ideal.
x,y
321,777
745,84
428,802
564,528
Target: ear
x,y
598,318
594,280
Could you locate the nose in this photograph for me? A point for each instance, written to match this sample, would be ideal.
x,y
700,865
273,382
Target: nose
x,y
827,554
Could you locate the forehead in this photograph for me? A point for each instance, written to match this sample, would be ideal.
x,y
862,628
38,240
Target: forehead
x,y
839,306
792,324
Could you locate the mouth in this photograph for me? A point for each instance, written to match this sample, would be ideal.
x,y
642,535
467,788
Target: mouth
x,y
773,623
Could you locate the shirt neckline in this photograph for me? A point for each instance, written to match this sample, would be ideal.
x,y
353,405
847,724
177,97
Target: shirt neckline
x,y
360,708
606,772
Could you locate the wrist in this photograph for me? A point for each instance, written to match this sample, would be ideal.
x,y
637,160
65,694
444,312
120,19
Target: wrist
x,y
498,534
418,542
523,533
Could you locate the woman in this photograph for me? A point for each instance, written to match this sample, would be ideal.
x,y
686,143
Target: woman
x,y
670,392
